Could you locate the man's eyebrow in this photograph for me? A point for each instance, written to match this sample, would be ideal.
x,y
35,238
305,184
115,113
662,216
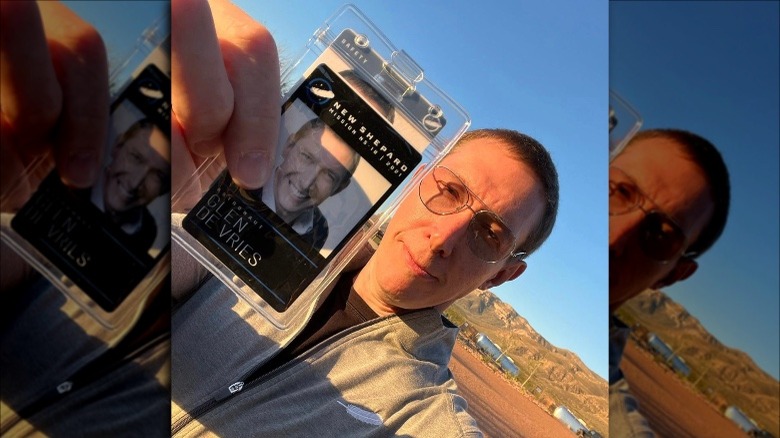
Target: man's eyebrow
x,y
473,194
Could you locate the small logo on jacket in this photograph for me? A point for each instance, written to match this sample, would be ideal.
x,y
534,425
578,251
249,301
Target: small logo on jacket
x,y
64,387
362,415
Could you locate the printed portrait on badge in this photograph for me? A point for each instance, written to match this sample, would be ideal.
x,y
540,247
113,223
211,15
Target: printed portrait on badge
x,y
338,158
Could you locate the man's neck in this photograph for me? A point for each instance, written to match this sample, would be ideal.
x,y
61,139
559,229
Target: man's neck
x,y
368,289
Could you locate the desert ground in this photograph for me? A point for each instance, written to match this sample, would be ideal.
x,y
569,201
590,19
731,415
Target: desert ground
x,y
501,410
672,407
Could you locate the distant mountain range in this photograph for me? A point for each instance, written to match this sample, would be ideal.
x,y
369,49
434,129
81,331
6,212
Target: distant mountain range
x,y
559,376
726,376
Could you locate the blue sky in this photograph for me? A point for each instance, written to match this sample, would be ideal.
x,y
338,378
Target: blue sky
x,y
120,36
712,68
539,68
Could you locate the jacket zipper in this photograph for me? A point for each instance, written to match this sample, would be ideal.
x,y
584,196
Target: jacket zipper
x,y
241,385
76,382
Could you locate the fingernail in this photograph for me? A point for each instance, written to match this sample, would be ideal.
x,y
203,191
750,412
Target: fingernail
x,y
81,168
253,168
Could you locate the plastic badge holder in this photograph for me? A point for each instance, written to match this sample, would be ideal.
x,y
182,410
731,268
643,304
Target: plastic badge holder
x,y
624,122
384,113
65,234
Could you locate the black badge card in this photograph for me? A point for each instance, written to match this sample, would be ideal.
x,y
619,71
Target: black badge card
x,y
107,238
338,159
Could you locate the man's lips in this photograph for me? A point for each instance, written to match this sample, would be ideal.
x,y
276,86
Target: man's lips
x,y
127,194
415,267
301,195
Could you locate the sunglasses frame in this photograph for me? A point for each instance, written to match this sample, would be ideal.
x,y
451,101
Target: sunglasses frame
x,y
513,254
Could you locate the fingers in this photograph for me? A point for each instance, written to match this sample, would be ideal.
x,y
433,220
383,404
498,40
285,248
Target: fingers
x,y
226,86
252,65
201,95
54,83
81,65
30,95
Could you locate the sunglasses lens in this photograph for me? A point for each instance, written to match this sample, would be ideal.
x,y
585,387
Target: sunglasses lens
x,y
443,192
623,193
490,239
662,238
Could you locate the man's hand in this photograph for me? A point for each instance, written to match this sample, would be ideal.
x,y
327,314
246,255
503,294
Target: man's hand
x,y
55,99
225,92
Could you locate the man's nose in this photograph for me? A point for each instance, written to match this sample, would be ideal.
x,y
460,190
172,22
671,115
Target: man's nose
x,y
308,179
136,177
450,231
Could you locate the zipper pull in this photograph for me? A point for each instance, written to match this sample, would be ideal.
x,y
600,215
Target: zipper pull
x,y
64,387
232,389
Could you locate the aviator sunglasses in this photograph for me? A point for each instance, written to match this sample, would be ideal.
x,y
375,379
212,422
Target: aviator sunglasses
x,y
489,238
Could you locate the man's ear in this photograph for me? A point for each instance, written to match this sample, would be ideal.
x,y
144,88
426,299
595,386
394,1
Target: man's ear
x,y
684,268
510,271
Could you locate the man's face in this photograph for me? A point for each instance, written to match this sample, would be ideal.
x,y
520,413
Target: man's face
x,y
674,185
314,168
425,259
138,172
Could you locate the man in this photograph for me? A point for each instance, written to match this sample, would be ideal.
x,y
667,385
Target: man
x,y
668,204
139,172
316,164
373,357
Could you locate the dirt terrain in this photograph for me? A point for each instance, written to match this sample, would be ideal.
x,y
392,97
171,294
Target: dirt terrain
x,y
672,407
501,410
558,375
728,375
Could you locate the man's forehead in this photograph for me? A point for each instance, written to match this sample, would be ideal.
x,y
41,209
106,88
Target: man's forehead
x,y
151,141
660,168
327,145
677,185
487,161
507,185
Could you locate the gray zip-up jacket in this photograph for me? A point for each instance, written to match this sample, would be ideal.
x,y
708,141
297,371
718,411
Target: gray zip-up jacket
x,y
385,377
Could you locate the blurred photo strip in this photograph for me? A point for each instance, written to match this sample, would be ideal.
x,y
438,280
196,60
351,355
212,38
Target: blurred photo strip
x,y
85,201
693,219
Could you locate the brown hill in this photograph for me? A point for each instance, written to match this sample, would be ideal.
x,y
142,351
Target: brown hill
x,y
726,376
559,376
